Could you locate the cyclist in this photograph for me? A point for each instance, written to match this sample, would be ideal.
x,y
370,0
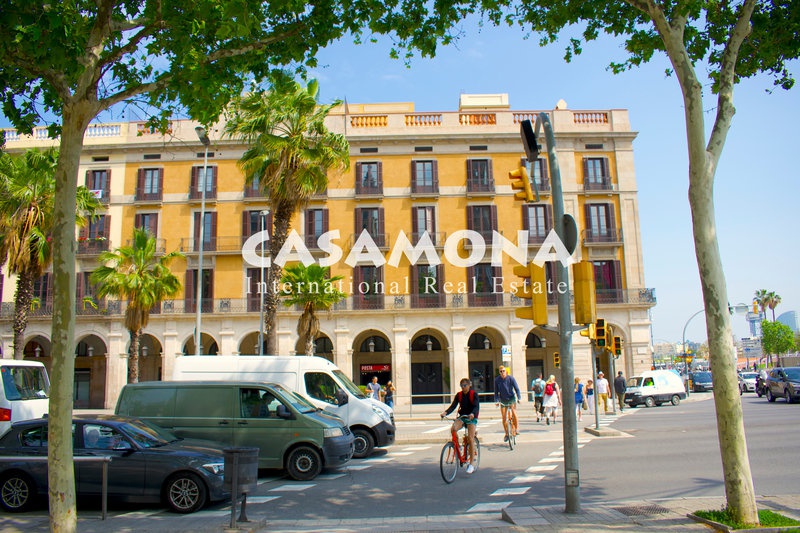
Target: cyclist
x,y
506,393
468,407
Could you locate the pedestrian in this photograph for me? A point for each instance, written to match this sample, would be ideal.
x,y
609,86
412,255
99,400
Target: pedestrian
x,y
590,396
469,407
506,393
602,388
578,398
537,386
374,388
552,399
388,395
619,389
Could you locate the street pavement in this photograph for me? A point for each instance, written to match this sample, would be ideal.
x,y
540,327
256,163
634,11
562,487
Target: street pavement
x,y
661,515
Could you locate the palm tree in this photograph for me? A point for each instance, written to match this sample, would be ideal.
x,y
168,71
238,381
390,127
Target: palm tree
x,y
290,153
311,288
761,298
27,201
772,303
137,274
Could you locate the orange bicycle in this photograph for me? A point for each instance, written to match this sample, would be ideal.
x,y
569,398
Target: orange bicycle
x,y
454,455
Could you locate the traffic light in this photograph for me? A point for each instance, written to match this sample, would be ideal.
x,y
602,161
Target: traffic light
x,y
617,346
585,302
556,360
600,332
534,288
521,182
589,332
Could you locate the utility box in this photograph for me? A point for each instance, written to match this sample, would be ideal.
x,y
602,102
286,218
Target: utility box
x,y
241,469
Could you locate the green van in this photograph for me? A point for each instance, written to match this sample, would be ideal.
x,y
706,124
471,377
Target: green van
x,y
290,433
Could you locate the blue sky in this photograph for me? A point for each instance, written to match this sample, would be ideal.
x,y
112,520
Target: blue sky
x,y
757,184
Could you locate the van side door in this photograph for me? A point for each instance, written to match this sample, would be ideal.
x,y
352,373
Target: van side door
x,y
257,424
205,412
325,392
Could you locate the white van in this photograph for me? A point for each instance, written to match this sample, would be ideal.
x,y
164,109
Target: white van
x,y
25,393
655,387
319,380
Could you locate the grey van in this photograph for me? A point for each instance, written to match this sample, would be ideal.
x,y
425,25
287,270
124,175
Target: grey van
x,y
290,433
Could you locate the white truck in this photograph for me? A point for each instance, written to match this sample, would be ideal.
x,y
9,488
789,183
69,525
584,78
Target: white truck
x,y
319,380
25,391
655,387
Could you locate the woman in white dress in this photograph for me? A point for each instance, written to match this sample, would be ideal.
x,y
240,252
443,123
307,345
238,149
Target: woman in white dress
x,y
552,399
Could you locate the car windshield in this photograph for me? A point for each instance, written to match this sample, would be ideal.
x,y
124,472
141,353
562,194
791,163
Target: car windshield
x,y
702,376
147,435
793,373
748,375
635,381
25,382
348,384
297,401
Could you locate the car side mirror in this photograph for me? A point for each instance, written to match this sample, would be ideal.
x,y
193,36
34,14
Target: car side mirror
x,y
283,412
341,398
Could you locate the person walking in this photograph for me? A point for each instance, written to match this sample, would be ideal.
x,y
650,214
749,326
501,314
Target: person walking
x,y
537,386
619,389
505,388
552,399
578,398
374,388
388,395
602,388
590,396
469,407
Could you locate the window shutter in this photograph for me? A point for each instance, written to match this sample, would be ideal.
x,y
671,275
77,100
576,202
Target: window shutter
x,y
493,210
193,188
137,220
414,225
213,182
527,213
107,184
309,224
585,168
489,170
548,217
381,229
197,231
153,225
543,167
79,289
587,215
606,172
105,228
469,169
380,174
612,223
88,183
471,217
413,173
415,280
139,183
213,235
246,227
160,188
358,173
188,288
324,220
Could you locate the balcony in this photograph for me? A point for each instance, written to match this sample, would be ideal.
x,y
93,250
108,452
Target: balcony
x,y
161,245
480,186
372,189
219,245
437,238
425,189
543,186
142,196
197,194
381,240
602,184
601,238
92,245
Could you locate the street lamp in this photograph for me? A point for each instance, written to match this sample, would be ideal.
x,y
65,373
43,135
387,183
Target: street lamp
x,y
683,347
486,343
203,136
262,286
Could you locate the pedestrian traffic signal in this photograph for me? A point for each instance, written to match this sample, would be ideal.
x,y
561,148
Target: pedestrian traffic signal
x,y
520,181
534,288
556,360
617,346
585,301
600,332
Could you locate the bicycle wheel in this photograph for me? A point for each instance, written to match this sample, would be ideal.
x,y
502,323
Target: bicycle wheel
x,y
509,432
477,452
448,463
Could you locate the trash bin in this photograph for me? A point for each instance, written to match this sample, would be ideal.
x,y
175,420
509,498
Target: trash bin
x,y
244,463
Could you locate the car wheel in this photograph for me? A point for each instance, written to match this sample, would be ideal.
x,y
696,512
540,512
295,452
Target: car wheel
x,y
788,396
185,492
16,492
741,390
770,397
304,463
759,392
649,402
675,400
363,443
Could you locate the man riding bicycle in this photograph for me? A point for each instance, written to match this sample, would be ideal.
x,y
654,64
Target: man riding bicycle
x,y
468,407
506,394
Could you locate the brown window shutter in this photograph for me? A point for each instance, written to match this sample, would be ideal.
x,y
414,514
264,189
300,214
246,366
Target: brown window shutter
x,y
137,220
325,220
309,223
160,189
414,224
107,185
358,227
489,170
88,179
527,213
246,228
154,224
139,183
79,289
358,173
435,173
193,188
471,217
214,181
585,168
381,228
213,230
493,209
380,174
469,169
587,215
105,230
189,292
545,172
413,173
612,222
606,172
197,222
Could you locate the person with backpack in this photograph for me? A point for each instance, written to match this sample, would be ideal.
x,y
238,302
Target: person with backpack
x,y
537,386
552,399
468,406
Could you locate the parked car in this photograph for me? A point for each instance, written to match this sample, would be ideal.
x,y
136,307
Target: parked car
x,y
747,382
701,381
784,383
148,464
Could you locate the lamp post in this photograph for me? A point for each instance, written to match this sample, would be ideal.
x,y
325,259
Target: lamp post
x,y
683,348
203,136
262,286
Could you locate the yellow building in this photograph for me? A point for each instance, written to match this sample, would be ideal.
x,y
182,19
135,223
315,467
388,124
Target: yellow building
x,y
423,325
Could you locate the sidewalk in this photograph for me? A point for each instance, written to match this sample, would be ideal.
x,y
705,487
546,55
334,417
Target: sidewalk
x,y
658,515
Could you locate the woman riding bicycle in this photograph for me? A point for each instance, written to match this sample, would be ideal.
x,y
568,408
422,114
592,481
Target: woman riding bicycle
x,y
468,408
506,394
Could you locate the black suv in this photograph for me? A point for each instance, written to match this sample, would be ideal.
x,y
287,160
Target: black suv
x,y
784,383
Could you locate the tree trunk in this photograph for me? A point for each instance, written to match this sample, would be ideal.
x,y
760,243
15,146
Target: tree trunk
x,y
22,306
61,472
283,216
133,357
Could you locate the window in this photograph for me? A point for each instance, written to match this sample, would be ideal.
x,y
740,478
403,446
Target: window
x,y
255,288
424,177
258,403
252,223
368,288
190,291
369,179
97,437
371,219
93,238
25,383
426,286
608,281
596,174
483,219
253,189
209,231
201,180
423,219
321,386
479,175
98,181
316,225
42,290
35,437
148,183
537,219
148,221
537,170
600,226
485,282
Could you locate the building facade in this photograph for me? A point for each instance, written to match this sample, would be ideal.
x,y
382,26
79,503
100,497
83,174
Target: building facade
x,y
423,322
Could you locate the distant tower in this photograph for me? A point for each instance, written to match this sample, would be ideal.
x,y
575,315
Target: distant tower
x,y
790,318
755,323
